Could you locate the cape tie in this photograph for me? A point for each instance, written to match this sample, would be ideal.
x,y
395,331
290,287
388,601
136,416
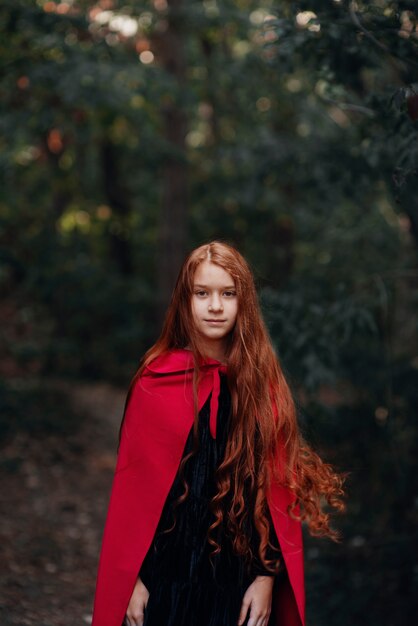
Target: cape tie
x,y
214,401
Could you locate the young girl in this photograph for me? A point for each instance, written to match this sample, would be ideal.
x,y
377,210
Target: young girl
x,y
213,477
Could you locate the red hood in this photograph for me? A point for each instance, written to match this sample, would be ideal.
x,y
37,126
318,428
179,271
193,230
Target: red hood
x,y
158,419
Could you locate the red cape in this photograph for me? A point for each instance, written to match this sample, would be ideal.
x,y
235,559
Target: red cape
x,y
158,419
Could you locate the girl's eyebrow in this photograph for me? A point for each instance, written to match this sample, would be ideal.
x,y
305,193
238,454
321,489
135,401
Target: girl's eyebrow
x,y
206,287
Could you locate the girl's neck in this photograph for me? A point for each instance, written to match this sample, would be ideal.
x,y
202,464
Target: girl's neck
x,y
213,351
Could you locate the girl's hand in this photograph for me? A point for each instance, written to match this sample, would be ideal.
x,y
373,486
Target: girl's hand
x,y
258,596
136,607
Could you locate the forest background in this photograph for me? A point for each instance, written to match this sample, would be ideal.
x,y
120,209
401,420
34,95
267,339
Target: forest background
x,y
131,132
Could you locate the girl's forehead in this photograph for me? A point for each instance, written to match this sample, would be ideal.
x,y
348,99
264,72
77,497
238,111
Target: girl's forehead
x,y
209,273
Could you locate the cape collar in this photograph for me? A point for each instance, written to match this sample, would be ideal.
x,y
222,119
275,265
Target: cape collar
x,y
180,360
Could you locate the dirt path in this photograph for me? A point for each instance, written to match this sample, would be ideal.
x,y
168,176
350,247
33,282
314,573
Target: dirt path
x,y
53,497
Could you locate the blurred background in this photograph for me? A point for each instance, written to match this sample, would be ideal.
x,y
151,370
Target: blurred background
x,y
132,132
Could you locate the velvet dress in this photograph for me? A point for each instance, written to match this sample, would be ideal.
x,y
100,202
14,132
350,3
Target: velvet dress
x,y
186,587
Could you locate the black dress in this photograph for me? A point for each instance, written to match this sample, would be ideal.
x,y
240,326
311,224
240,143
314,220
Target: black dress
x,y
185,590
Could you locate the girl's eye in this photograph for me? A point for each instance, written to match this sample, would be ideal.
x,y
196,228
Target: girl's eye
x,y
228,294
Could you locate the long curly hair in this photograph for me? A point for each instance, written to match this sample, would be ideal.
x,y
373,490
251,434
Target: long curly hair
x,y
264,441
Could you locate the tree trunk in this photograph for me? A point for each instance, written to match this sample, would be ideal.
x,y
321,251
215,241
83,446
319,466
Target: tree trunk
x,y
117,198
172,228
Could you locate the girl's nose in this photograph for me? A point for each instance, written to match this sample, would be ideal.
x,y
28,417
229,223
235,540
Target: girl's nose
x,y
216,303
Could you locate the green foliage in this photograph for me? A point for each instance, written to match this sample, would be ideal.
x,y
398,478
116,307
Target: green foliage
x,y
375,565
314,335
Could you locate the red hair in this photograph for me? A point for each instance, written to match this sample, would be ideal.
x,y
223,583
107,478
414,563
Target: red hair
x,y
263,416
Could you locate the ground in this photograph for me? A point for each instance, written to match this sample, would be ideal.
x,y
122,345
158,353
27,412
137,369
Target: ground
x,y
54,493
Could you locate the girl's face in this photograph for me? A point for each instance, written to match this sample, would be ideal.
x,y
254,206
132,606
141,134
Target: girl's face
x,y
214,303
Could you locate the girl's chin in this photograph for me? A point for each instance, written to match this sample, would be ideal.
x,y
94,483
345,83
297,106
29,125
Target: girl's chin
x,y
214,333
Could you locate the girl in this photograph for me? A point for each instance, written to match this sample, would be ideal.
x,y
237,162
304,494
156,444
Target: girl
x,y
213,477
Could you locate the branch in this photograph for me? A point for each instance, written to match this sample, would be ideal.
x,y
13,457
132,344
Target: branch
x,y
356,21
348,106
